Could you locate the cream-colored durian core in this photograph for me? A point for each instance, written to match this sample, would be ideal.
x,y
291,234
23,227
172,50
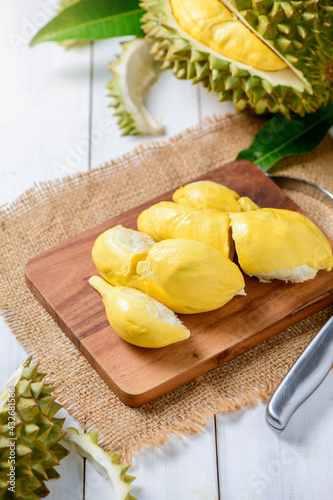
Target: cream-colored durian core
x,y
213,24
280,244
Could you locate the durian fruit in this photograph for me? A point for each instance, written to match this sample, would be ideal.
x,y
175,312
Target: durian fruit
x,y
188,276
138,318
167,220
105,462
134,73
117,251
261,54
29,435
280,244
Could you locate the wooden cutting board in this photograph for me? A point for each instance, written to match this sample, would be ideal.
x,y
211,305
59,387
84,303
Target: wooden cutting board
x,y
59,279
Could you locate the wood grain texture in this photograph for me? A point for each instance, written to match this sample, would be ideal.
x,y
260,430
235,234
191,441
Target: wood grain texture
x,y
59,279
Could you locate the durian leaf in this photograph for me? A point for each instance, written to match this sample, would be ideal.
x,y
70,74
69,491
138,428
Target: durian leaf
x,y
93,20
281,137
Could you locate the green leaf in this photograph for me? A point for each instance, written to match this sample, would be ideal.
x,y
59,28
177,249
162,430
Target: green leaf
x,y
282,137
93,20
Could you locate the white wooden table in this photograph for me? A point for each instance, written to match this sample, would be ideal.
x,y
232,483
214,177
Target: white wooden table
x,y
55,121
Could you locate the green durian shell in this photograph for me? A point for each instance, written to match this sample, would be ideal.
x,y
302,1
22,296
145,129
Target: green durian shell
x,y
301,32
128,103
37,433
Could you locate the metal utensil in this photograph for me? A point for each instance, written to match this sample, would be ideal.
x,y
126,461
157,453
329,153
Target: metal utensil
x,y
313,365
305,187
305,376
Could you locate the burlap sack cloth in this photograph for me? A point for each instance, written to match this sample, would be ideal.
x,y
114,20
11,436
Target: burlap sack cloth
x,y
54,211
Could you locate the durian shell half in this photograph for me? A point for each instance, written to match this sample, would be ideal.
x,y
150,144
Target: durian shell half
x,y
285,91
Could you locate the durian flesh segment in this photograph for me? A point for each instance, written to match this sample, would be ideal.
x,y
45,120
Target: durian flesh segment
x,y
117,251
167,220
282,244
188,276
212,24
246,204
207,194
138,318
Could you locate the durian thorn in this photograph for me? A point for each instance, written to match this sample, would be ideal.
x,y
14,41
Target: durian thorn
x,y
319,42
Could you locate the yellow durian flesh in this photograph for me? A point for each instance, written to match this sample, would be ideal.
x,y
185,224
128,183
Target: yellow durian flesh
x,y
117,251
246,204
167,220
280,244
213,24
138,318
188,276
207,194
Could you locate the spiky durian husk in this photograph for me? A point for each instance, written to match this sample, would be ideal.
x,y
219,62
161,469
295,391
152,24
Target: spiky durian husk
x,y
36,435
126,120
134,118
302,32
105,462
188,61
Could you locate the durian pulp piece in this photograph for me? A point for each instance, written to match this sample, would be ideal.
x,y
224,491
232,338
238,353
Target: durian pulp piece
x,y
117,251
188,276
105,462
212,23
246,204
207,194
280,244
134,73
138,318
167,220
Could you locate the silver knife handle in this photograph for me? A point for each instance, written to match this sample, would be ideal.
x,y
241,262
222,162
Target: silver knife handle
x,y
308,372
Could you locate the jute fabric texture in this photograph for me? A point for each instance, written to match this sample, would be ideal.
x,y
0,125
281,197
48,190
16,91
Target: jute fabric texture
x,y
52,212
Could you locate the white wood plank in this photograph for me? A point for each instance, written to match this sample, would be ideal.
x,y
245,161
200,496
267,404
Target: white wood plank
x,y
172,101
257,464
44,102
